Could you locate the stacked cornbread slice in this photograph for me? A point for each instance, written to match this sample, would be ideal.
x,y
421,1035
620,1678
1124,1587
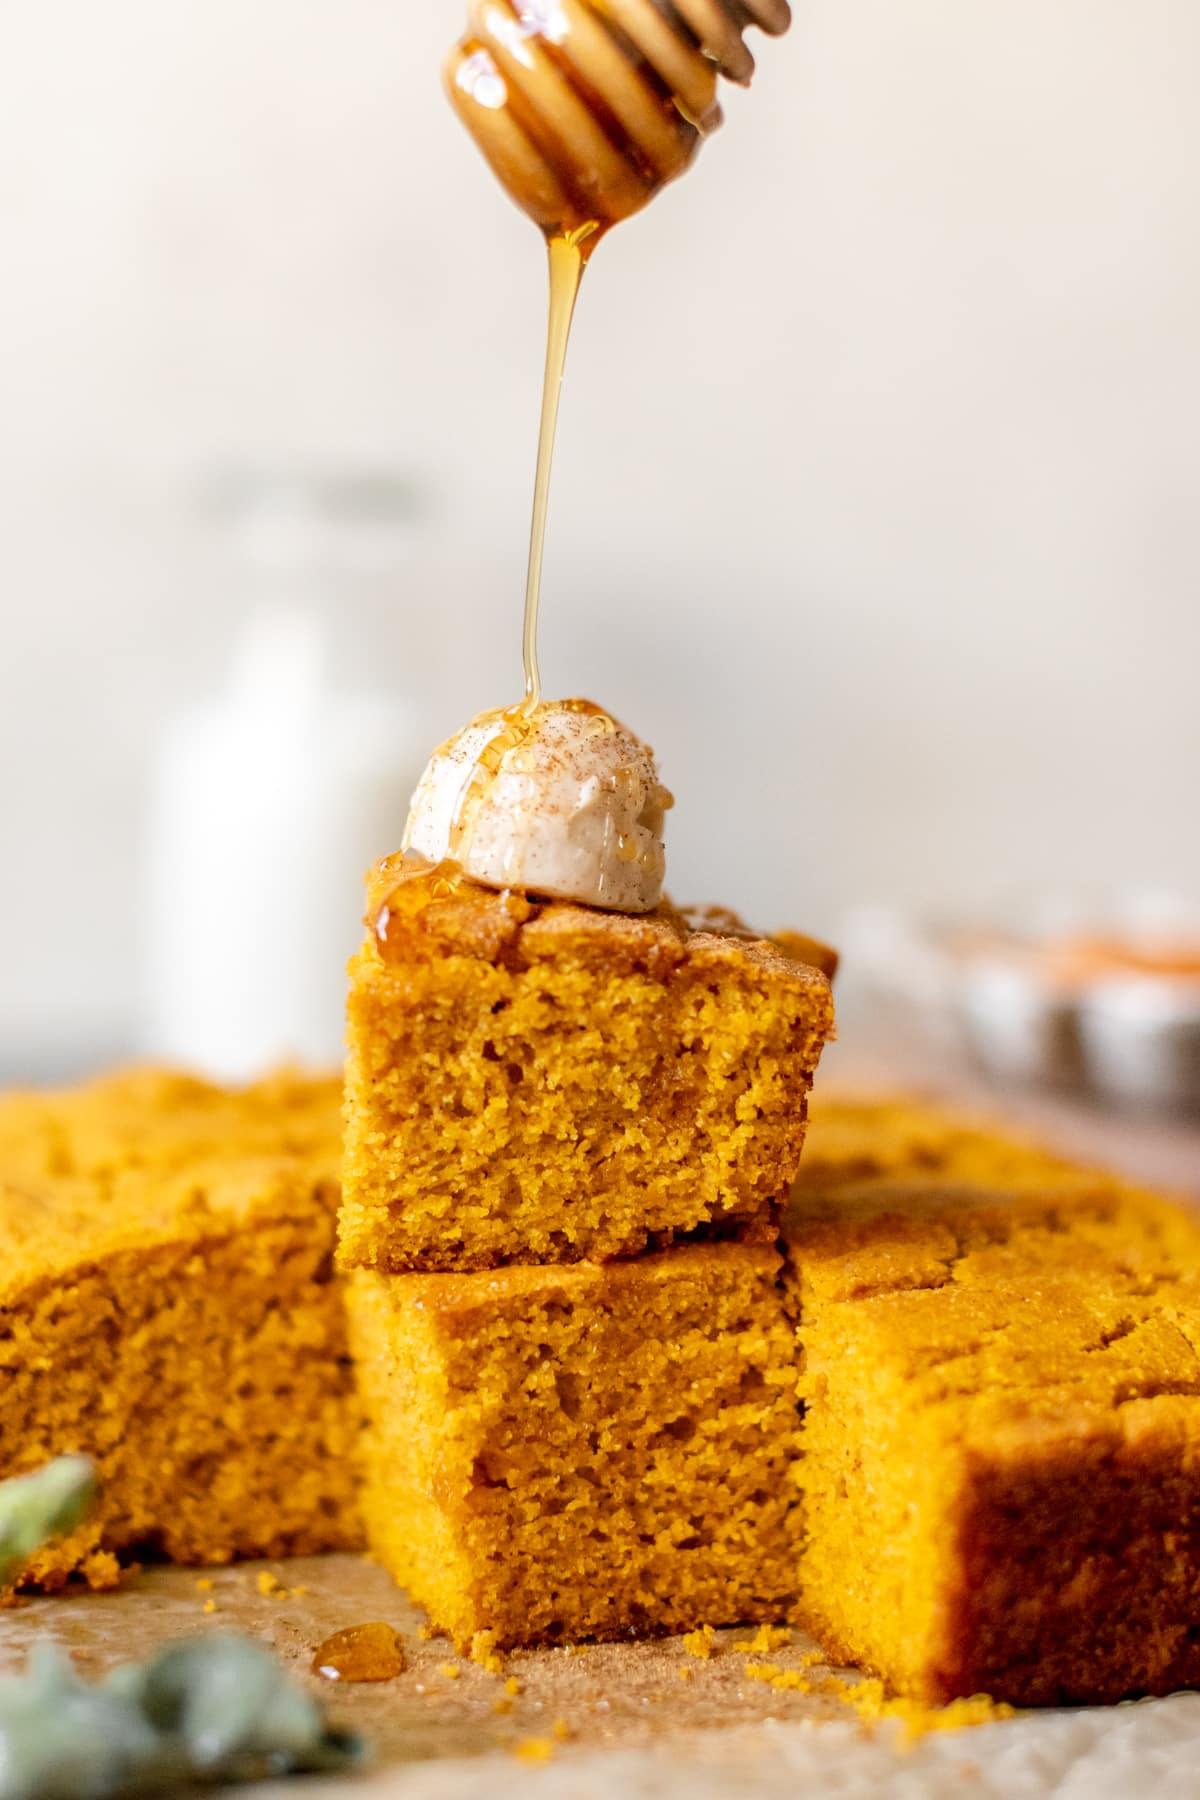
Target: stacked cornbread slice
x,y
168,1306
567,1135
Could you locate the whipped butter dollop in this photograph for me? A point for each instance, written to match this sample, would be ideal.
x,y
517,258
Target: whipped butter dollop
x,y
561,800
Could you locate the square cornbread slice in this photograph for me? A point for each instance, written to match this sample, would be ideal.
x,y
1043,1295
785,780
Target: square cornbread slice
x,y
168,1306
582,1450
1000,1460
550,1083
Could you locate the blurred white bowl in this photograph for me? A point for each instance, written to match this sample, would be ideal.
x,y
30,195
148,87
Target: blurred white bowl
x,y
1072,995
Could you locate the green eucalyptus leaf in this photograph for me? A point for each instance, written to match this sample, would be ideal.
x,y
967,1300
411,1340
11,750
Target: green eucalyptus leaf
x,y
61,1739
216,1708
47,1504
213,1708
228,1703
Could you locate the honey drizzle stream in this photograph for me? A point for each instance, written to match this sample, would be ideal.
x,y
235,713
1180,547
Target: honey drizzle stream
x,y
569,254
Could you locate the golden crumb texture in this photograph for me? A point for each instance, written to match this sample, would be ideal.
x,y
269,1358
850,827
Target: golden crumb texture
x,y
582,1451
1000,1462
550,1083
168,1307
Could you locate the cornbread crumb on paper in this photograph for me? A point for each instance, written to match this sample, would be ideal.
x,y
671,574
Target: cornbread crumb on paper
x,y
484,1652
534,1749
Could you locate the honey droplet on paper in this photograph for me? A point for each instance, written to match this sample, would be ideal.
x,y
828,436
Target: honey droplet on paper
x,y
360,1653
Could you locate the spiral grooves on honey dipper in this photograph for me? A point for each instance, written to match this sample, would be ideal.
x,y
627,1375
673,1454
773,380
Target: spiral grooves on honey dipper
x,y
586,108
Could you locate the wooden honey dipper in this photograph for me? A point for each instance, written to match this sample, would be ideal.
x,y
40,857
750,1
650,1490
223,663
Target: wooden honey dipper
x,y
586,108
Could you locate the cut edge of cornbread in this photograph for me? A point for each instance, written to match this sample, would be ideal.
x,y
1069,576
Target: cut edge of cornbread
x,y
582,1450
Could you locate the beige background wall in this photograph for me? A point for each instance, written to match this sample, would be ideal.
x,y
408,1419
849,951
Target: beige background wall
x,y
878,488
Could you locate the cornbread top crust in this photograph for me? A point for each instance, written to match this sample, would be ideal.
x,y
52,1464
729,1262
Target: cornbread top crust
x,y
987,1274
458,1305
150,1157
418,914
858,1138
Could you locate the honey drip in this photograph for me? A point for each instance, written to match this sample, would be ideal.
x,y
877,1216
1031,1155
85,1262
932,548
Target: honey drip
x,y
513,725
360,1653
568,259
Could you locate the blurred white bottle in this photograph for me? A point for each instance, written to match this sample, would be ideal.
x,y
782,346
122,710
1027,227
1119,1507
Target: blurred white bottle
x,y
268,803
